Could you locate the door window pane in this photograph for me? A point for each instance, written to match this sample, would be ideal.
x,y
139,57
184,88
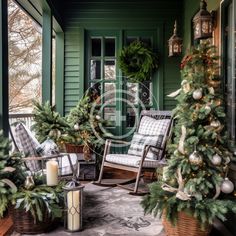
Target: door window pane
x,y
145,92
109,93
110,116
95,70
109,47
132,94
131,117
110,70
96,88
96,47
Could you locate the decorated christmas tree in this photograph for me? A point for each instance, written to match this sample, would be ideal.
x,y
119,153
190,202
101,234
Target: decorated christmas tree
x,y
195,178
86,123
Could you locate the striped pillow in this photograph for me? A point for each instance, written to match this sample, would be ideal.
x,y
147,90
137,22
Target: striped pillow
x,y
139,141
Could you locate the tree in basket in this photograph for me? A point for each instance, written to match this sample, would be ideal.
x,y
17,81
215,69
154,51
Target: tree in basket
x,y
194,183
48,122
86,123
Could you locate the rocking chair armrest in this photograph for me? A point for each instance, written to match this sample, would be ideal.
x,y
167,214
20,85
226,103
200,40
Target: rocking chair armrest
x,y
117,141
146,149
44,157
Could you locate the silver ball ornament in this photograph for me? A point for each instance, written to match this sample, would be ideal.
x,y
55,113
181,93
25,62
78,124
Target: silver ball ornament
x,y
76,126
195,158
197,94
216,159
227,186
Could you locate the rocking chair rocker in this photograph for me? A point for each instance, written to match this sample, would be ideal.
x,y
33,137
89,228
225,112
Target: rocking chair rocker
x,y
146,151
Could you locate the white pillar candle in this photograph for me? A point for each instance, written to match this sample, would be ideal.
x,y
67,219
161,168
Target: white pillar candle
x,y
52,173
73,214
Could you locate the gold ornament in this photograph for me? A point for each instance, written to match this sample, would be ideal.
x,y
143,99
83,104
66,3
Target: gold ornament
x,y
215,124
214,83
195,158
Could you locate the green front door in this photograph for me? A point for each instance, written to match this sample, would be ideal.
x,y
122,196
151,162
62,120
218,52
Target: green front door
x,y
120,101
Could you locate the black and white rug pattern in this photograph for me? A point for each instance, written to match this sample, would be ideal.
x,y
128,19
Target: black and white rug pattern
x,y
112,211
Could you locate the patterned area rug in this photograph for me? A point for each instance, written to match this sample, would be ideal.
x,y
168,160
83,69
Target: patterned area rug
x,y
114,212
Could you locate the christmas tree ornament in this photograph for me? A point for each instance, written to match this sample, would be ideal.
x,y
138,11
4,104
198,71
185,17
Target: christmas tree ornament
x,y
174,94
215,124
227,186
55,133
197,94
98,117
29,183
216,160
207,107
218,102
196,158
214,83
76,126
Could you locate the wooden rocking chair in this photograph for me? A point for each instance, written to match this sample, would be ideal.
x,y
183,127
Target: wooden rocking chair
x,y
146,151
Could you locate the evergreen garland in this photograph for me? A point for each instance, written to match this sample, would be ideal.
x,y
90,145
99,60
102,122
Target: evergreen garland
x,y
198,154
48,122
137,62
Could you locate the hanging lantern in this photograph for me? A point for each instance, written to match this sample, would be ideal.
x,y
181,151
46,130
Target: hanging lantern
x,y
73,194
202,23
175,43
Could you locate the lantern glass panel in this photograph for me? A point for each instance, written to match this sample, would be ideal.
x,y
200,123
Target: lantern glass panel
x,y
73,209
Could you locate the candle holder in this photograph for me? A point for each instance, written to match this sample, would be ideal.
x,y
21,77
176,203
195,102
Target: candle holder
x,y
73,194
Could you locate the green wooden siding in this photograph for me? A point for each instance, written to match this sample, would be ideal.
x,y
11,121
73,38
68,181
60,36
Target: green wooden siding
x,y
122,15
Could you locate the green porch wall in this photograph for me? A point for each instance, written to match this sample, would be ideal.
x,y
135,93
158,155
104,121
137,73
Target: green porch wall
x,y
191,7
79,16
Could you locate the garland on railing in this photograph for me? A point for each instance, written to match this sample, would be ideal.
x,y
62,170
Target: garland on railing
x,y
137,62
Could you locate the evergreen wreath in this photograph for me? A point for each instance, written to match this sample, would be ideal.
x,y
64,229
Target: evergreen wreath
x,y
137,61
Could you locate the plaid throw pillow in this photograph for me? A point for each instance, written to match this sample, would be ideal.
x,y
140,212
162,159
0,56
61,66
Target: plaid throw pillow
x,y
27,144
139,141
47,148
151,126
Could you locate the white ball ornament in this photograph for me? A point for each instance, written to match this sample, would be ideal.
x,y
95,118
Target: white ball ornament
x,y
98,117
216,160
76,126
227,186
195,158
215,124
197,94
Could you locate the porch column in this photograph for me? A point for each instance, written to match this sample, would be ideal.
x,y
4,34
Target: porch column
x,y
47,56
4,67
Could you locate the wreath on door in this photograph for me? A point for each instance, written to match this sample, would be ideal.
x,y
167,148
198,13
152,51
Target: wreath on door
x,y
137,61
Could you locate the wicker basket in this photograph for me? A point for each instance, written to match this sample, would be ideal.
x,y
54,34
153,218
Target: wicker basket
x,y
23,222
71,148
186,226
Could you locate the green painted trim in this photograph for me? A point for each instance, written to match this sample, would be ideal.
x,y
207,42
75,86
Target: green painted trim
x,y
47,57
4,67
81,78
59,93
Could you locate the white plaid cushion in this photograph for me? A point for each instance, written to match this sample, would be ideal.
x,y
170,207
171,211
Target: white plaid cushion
x,y
151,126
133,161
27,144
139,141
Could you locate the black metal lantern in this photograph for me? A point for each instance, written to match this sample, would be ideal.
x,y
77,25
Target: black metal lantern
x,y
175,43
202,22
73,194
